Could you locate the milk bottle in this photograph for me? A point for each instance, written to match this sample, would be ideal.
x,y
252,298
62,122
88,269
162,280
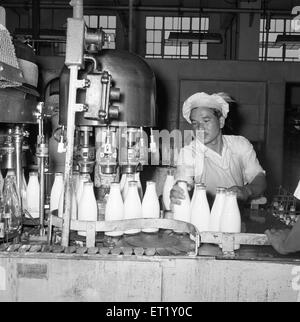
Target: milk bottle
x,y
217,209
132,205
183,211
114,209
231,217
82,178
150,205
32,195
129,177
56,190
168,185
200,212
139,185
87,207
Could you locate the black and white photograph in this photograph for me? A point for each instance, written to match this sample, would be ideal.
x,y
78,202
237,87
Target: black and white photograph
x,y
149,154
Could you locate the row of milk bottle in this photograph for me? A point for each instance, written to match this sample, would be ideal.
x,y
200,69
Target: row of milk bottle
x,y
129,205
83,201
121,203
224,215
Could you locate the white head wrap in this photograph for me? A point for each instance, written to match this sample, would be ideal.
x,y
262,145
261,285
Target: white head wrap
x,y
215,101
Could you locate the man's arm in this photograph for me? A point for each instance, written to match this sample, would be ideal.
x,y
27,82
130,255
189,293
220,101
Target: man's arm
x,y
251,190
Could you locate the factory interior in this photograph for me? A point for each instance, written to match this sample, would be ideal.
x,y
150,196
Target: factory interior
x,y
98,65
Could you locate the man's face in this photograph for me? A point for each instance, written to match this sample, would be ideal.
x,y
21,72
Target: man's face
x,y
204,119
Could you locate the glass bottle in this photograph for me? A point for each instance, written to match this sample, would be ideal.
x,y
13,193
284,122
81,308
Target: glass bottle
x,y
139,185
24,191
132,205
87,207
200,211
76,180
217,209
231,217
183,211
129,178
32,195
56,190
122,181
168,185
114,209
82,178
12,214
150,205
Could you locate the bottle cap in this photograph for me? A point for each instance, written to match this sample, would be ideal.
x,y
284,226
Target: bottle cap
x,y
220,189
33,173
58,174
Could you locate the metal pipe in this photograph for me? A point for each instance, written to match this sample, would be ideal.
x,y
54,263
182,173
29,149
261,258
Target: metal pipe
x,y
77,8
69,154
18,139
268,22
152,8
41,196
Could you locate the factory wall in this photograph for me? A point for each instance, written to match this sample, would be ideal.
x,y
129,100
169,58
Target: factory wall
x,y
249,82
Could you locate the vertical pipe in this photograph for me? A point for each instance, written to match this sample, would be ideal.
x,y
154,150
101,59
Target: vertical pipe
x,y
69,154
77,8
268,22
41,196
130,36
18,135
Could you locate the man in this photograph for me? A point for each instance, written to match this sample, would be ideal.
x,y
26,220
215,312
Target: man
x,y
214,159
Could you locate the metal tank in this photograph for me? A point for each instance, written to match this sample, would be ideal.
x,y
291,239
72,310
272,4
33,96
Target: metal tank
x,y
136,81
18,104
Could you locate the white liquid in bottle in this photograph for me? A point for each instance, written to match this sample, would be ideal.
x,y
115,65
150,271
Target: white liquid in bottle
x,y
76,180
87,207
231,217
129,177
139,185
168,185
85,177
200,212
114,209
32,195
150,205
183,211
132,205
56,190
217,209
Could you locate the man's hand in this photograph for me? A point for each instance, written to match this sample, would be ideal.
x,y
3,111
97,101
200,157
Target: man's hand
x,y
243,193
277,239
176,194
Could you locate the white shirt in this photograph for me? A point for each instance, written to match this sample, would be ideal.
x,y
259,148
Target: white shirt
x,y
236,166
